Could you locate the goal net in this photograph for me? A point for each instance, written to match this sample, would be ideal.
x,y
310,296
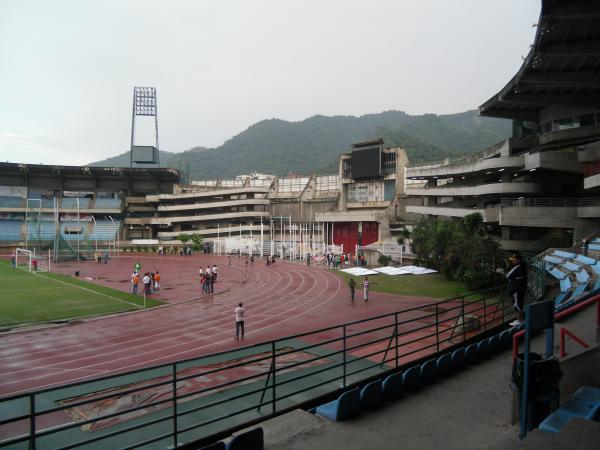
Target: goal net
x,y
28,260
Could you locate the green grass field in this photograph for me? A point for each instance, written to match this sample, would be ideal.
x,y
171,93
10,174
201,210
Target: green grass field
x,y
431,285
27,298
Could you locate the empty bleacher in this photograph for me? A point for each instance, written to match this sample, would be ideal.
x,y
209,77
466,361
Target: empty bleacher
x,y
105,230
10,230
73,227
40,230
108,203
9,201
71,202
47,201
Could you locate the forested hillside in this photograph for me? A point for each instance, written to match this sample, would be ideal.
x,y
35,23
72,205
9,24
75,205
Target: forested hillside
x,y
312,146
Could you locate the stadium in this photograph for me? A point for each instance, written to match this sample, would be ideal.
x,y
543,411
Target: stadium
x,y
87,364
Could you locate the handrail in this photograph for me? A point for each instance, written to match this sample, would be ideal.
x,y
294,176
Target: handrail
x,y
301,368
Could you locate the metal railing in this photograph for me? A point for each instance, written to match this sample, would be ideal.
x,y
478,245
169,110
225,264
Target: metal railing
x,y
211,396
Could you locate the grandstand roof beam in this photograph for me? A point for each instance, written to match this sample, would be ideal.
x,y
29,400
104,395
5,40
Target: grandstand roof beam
x,y
589,78
591,100
576,10
571,49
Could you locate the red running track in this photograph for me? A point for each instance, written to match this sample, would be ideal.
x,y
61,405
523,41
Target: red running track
x,y
287,299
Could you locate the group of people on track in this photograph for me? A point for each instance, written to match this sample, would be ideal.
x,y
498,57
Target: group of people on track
x,y
208,278
352,286
150,282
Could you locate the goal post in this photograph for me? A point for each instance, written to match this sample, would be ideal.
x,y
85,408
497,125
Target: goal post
x,y
23,259
28,260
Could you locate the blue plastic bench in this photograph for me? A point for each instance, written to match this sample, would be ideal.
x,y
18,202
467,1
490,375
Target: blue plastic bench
x,y
346,406
428,371
371,395
411,378
458,358
392,385
594,246
250,440
444,365
596,268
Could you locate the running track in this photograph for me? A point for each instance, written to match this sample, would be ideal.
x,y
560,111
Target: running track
x,y
288,299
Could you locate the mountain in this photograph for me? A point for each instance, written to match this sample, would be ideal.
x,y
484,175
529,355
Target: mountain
x,y
312,145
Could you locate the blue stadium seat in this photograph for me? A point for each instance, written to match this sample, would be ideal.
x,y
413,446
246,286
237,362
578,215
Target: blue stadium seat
x,y
553,259
411,378
565,284
392,385
582,276
560,298
563,254
596,285
505,339
595,246
577,292
444,365
371,395
216,446
571,266
588,393
250,440
471,354
585,260
573,408
346,406
558,274
596,268
458,358
494,343
482,348
428,371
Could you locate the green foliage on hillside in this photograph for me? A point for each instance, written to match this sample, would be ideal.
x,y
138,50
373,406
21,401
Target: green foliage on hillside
x,y
312,146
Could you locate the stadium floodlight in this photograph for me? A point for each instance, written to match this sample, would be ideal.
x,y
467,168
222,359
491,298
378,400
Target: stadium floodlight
x,y
144,104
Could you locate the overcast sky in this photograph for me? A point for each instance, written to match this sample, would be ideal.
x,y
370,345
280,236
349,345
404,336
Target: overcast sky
x,y
68,68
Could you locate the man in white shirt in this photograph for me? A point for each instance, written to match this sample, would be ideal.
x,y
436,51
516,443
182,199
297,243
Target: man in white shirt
x,y
214,271
239,320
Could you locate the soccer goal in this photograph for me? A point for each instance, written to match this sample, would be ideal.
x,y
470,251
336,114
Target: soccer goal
x,y
28,260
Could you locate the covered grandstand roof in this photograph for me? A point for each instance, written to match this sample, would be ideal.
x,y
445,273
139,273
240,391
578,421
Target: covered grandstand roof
x,y
562,67
87,170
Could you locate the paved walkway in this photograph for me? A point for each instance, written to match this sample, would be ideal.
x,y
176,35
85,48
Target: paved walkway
x,y
469,410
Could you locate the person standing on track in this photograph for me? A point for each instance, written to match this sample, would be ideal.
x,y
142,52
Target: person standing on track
x,y
157,282
366,289
214,271
239,320
135,281
146,281
351,285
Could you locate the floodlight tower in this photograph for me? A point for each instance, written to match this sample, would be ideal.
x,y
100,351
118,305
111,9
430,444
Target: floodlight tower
x,y
144,104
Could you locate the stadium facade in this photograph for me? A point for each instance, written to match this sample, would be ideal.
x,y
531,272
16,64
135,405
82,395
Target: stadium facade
x,y
543,183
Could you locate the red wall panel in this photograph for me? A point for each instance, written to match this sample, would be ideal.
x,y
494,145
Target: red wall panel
x,y
346,233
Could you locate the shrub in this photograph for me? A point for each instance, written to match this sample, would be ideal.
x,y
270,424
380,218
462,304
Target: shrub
x,y
384,260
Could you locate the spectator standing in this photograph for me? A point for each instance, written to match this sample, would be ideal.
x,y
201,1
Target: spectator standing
x,y
135,281
239,320
366,289
146,281
214,271
351,285
157,282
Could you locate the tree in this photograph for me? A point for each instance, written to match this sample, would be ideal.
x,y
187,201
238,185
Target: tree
x,y
184,238
460,250
196,241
